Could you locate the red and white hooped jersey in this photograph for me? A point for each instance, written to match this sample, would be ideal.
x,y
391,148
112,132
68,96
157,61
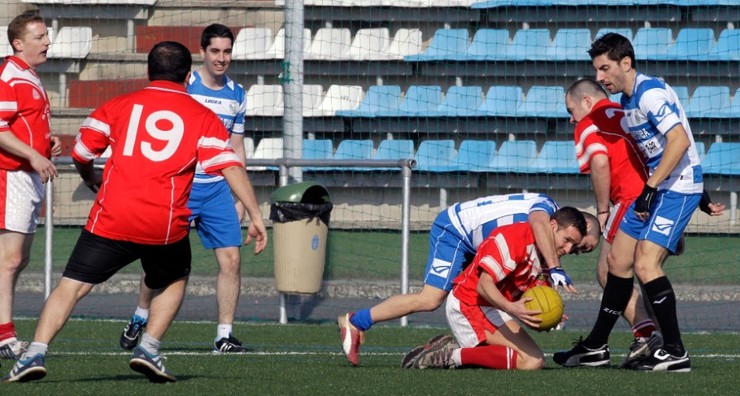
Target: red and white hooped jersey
x,y
24,110
510,257
157,135
603,131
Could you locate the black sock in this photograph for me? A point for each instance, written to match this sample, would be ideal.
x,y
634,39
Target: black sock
x,y
617,293
663,301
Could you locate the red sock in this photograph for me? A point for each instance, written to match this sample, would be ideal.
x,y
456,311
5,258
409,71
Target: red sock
x,y
7,330
489,356
643,329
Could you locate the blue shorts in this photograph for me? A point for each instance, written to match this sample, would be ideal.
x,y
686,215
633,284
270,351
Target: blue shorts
x,y
449,253
213,211
669,218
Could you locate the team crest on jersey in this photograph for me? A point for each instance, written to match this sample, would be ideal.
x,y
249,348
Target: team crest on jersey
x,y
233,108
663,225
36,95
440,268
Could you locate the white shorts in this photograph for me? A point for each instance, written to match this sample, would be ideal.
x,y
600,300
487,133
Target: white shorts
x,y
469,323
21,197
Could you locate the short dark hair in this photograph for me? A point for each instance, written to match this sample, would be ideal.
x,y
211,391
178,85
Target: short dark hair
x,y
569,216
215,30
169,61
17,27
615,46
586,86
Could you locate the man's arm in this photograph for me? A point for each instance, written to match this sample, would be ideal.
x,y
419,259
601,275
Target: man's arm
x,y
240,185
601,181
545,240
677,142
237,144
42,165
89,175
488,290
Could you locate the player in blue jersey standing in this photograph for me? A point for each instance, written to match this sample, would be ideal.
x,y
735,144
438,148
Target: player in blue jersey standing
x,y
655,119
216,216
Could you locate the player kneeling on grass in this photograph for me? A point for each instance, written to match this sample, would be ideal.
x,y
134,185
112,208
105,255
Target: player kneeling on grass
x,y
486,298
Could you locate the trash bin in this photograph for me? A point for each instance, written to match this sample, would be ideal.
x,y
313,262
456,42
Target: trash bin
x,y
300,217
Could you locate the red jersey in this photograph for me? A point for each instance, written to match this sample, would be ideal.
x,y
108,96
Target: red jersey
x,y
157,135
24,111
510,257
602,132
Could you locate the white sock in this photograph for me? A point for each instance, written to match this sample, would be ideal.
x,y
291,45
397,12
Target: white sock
x,y
223,331
142,312
37,348
150,344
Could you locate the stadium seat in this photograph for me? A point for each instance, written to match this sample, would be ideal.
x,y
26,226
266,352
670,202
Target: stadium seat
x,y
394,149
317,149
626,32
570,44
542,101
248,147
722,159
5,47
370,44
557,157
474,156
71,43
265,100
277,49
330,44
733,110
252,43
487,44
405,42
460,102
312,99
691,44
727,47
683,94
340,97
447,44
267,148
616,97
435,155
701,149
528,44
420,101
351,149
651,43
515,156
501,100
377,99
708,102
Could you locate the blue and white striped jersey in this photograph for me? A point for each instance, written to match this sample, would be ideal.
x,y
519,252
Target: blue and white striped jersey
x,y
229,103
475,219
652,111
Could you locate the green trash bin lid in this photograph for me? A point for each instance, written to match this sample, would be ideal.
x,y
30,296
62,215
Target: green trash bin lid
x,y
304,192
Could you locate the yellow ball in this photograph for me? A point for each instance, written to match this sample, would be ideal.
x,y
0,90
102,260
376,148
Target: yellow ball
x,y
548,301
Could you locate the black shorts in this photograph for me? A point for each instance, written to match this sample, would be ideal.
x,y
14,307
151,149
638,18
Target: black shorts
x,y
95,259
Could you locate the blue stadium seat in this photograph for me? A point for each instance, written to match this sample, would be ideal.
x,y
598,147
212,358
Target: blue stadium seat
x,y
722,159
708,102
378,98
528,44
650,43
420,101
435,155
460,102
701,149
733,110
501,100
683,94
317,149
570,44
626,32
728,46
394,149
510,3
475,156
515,156
446,44
488,44
557,157
542,101
616,98
691,44
350,149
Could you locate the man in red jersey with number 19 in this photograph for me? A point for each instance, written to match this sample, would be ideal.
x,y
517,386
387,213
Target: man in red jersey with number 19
x,y
157,135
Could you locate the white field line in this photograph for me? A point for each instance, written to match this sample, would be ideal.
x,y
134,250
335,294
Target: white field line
x,y
319,353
